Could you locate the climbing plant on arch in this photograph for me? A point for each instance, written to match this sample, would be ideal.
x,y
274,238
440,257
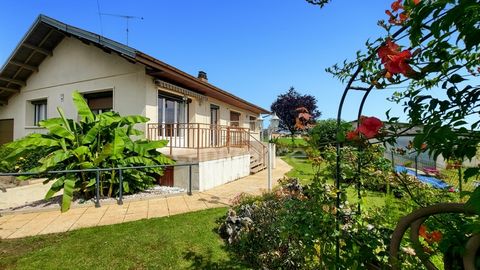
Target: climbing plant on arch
x,y
431,48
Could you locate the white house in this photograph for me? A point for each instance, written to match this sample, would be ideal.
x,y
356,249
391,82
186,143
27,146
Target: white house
x,y
203,123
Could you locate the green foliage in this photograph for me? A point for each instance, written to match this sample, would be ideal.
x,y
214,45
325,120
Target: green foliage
x,y
95,141
294,227
367,167
324,132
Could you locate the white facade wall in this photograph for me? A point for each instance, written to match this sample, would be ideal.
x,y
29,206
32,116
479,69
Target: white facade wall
x,y
70,68
199,111
77,66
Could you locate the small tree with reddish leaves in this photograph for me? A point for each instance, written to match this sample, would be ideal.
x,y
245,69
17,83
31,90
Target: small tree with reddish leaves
x,y
287,106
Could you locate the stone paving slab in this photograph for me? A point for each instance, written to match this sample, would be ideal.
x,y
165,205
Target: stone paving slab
x,y
45,222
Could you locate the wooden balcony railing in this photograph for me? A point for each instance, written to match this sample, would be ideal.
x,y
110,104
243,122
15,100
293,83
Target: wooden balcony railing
x,y
199,136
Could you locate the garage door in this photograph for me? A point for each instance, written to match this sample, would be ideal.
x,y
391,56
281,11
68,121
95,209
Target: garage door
x,y
6,131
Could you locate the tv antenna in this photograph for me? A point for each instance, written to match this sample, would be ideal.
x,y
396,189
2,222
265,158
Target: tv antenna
x,y
126,17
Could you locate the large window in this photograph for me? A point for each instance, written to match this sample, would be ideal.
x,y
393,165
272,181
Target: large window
x,y
172,110
234,119
39,111
100,102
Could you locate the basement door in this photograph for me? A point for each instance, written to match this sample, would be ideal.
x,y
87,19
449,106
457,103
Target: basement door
x,y
6,131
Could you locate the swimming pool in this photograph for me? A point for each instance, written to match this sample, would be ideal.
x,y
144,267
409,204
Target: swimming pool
x,y
434,182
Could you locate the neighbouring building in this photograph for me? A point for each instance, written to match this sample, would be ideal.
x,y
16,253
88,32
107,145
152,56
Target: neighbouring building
x,y
203,123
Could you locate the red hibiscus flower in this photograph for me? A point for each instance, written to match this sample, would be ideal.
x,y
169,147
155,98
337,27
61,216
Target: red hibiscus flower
x,y
369,126
394,60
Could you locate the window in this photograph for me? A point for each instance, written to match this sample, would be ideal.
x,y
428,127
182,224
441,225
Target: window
x,y
234,119
39,111
253,123
214,109
172,110
100,102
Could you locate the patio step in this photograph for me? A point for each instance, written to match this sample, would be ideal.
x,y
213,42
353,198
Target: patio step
x,y
255,165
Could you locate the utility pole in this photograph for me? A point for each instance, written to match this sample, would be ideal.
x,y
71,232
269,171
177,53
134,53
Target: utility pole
x,y
126,17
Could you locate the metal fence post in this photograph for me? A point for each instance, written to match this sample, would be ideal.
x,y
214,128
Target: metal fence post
x,y
190,180
120,188
97,189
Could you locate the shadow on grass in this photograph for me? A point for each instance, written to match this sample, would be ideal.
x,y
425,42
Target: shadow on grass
x,y
205,261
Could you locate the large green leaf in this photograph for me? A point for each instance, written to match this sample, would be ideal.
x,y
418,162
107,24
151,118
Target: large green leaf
x,y
52,160
82,150
58,130
64,118
134,132
29,143
136,160
134,119
83,110
68,188
118,144
51,122
91,134
104,154
109,118
86,165
57,186
162,159
143,147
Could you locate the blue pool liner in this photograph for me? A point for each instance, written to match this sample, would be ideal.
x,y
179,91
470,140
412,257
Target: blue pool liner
x,y
434,182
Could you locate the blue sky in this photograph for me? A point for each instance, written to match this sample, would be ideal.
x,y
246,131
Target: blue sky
x,y
255,49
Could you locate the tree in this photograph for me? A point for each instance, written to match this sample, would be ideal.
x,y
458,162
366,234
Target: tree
x,y
324,132
286,107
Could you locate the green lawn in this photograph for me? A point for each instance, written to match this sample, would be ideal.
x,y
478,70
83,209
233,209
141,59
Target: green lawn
x,y
451,177
299,142
304,171
186,241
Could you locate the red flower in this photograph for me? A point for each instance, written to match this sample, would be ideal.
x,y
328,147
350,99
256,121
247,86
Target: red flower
x,y
422,231
403,17
353,136
416,2
436,236
369,126
396,5
394,60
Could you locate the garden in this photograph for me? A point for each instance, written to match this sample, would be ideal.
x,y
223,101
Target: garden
x,y
345,205
356,209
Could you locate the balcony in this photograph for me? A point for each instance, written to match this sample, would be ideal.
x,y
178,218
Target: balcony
x,y
200,141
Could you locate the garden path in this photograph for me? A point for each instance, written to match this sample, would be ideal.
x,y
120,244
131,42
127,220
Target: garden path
x,y
16,225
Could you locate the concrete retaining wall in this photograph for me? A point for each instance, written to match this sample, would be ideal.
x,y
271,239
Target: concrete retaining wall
x,y
212,173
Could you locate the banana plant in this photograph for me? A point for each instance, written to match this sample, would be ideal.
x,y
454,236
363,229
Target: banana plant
x,y
94,141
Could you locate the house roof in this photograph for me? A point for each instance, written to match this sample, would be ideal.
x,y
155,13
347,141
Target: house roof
x,y
46,33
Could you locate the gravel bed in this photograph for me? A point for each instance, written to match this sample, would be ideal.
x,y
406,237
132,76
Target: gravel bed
x,y
55,202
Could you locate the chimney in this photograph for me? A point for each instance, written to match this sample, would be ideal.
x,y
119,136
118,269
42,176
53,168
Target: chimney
x,y
202,75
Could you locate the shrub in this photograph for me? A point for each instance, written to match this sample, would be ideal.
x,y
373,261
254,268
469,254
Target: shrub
x,y
95,141
324,133
375,172
294,228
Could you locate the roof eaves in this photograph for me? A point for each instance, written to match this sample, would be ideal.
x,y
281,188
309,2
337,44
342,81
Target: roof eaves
x,y
147,57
